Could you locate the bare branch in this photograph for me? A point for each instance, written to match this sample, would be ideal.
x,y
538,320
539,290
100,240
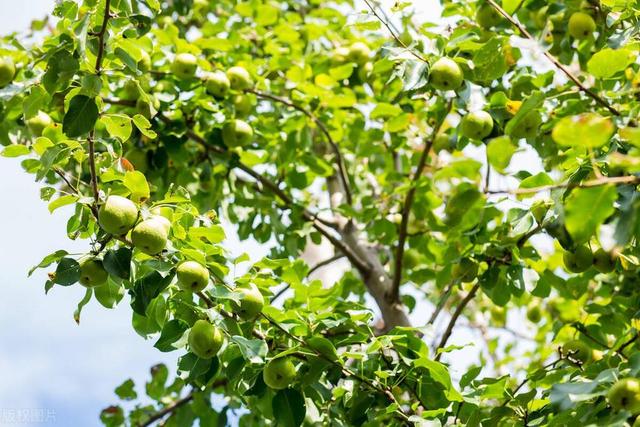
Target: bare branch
x,y
101,34
554,60
454,318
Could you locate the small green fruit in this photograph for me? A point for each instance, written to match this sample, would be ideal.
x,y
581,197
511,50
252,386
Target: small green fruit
x,y
498,315
117,215
412,258
476,125
534,312
239,78
163,221
236,133
131,90
217,84
92,273
625,395
487,17
192,276
443,142
251,302
279,373
7,71
243,105
150,236
581,25
603,261
446,74
144,64
340,55
528,126
578,351
38,123
579,260
205,339
466,270
184,65
359,53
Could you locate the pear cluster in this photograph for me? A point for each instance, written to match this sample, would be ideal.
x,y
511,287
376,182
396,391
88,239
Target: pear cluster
x,y
624,395
582,258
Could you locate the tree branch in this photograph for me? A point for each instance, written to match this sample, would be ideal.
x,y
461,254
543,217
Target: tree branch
x,y
92,169
323,128
616,180
394,294
167,410
311,271
101,34
454,318
554,60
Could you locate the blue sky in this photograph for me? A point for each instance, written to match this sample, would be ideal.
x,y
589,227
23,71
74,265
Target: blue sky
x,y
49,363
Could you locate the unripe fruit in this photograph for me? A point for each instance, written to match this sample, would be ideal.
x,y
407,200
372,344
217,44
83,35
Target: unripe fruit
x,y
446,75
184,65
243,105
192,276
581,25
359,53
528,126
498,315
279,373
150,236
117,215
534,312
487,16
578,351
603,261
205,339
217,84
7,71
239,78
236,133
579,260
92,273
38,123
412,258
442,142
340,55
625,395
466,270
251,302
131,90
144,64
166,224
476,125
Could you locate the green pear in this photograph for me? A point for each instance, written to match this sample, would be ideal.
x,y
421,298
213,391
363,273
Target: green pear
x,y
38,123
192,276
578,351
243,105
205,339
117,215
144,63
636,423
534,312
150,236
604,261
581,25
625,395
217,84
7,71
239,78
412,258
528,126
131,90
184,65
92,273
443,142
340,55
446,74
466,270
165,222
359,53
251,302
279,373
236,133
476,125
487,16
579,260
498,315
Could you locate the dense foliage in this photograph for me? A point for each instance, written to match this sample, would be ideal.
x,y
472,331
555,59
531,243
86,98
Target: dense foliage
x,y
302,125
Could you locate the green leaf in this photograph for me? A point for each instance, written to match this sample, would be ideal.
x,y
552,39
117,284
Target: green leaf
x,y
172,331
48,260
500,150
81,116
118,126
490,61
253,350
61,201
144,126
289,407
84,301
385,110
146,289
126,391
212,234
587,208
15,150
61,68
534,101
136,182
588,130
109,294
117,262
67,272
608,62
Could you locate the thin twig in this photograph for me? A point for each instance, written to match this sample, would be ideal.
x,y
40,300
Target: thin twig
x,y
323,128
527,379
167,410
554,60
454,318
311,271
101,34
441,302
92,169
394,294
586,184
